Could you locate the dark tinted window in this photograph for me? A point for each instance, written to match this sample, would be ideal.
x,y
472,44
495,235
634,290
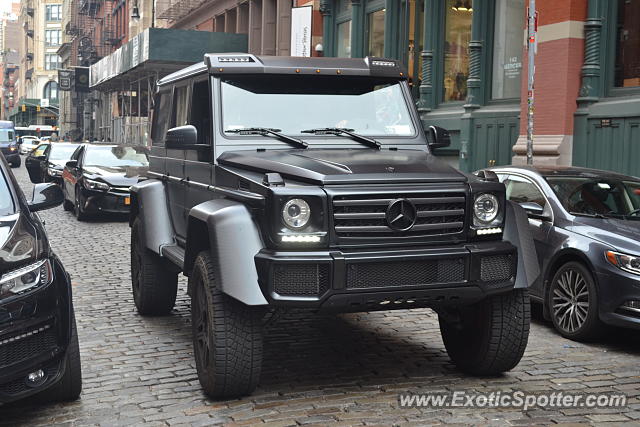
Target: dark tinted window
x,y
586,195
161,110
7,206
201,111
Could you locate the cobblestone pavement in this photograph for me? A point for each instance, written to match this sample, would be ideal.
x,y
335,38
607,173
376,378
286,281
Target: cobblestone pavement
x,y
338,370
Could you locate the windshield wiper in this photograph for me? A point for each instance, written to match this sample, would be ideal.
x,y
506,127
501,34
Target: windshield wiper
x,y
344,131
270,131
599,216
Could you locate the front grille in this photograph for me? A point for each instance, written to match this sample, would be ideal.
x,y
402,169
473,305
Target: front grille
x,y
301,279
496,269
405,273
364,216
24,346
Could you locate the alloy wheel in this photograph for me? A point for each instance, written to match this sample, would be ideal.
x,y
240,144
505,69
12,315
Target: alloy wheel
x,y
570,301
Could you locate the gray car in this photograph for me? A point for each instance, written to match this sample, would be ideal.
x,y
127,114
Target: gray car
x,y
586,228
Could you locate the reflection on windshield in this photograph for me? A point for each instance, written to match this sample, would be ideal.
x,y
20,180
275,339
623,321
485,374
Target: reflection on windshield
x,y
592,196
110,156
6,135
368,106
61,152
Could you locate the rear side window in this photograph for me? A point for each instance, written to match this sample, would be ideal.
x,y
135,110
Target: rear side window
x,y
161,110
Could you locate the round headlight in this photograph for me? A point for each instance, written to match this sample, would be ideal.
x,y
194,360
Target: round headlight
x,y
486,207
296,213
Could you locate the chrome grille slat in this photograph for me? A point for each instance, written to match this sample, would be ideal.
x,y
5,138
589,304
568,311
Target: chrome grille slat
x,y
439,213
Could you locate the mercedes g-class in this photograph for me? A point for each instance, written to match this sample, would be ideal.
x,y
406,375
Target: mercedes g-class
x,y
280,182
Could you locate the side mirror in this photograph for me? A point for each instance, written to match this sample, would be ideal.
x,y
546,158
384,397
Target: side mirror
x,y
71,164
45,196
534,210
182,137
438,137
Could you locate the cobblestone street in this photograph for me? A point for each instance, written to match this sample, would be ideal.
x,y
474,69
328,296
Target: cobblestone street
x,y
338,370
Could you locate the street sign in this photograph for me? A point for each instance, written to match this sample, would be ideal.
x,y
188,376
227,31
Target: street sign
x,y
301,18
44,102
64,79
82,79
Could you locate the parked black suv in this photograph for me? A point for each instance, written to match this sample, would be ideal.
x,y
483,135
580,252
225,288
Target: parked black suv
x,y
308,182
39,350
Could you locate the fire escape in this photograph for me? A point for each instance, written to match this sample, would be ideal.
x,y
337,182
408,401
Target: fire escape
x,y
91,28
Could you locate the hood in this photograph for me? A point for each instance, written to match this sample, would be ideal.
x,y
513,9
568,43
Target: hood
x,y
346,166
622,235
18,242
117,176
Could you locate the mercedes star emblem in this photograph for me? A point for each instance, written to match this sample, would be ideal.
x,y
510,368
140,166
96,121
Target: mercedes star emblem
x,y
401,214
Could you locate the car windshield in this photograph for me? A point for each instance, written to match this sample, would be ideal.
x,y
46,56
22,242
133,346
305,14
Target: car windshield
x,y
61,151
7,206
6,135
291,104
118,156
598,196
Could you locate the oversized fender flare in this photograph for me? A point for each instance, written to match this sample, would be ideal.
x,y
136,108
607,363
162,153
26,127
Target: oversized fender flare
x,y
149,201
234,241
517,232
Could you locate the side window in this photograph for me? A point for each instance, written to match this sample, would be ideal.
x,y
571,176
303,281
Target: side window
x,y
160,123
201,111
521,190
180,107
40,150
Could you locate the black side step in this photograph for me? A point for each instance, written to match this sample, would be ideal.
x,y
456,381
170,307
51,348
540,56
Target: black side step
x,y
175,254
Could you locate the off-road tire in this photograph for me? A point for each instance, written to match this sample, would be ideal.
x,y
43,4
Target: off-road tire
x,y
16,163
227,336
153,285
490,336
591,327
70,385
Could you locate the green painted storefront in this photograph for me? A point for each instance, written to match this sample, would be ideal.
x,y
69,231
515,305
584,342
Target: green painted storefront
x,y
484,126
607,121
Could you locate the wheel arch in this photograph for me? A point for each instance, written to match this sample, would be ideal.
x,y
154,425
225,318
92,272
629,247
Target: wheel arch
x,y
563,257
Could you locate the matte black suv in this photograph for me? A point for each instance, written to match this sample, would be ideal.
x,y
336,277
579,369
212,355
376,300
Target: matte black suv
x,y
39,351
282,182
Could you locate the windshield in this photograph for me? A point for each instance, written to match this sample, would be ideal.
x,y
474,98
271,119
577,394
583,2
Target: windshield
x,y
597,196
291,104
116,156
6,135
6,201
61,152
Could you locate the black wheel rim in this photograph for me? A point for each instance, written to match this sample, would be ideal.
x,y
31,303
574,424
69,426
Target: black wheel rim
x,y
570,300
201,329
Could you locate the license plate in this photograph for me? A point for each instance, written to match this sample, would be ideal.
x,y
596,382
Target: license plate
x,y
127,200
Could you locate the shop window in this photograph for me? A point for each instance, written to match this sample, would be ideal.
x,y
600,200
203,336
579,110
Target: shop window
x,y
507,48
344,40
375,28
459,14
627,71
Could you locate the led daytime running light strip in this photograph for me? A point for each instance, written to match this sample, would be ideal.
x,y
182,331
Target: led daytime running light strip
x,y
485,231
25,335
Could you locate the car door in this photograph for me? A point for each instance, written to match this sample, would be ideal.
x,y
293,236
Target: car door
x,y
521,189
35,161
69,175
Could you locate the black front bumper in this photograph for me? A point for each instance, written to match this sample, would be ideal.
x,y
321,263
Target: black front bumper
x,y
35,330
390,279
112,201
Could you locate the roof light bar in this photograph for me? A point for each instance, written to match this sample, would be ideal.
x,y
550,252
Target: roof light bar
x,y
235,59
379,63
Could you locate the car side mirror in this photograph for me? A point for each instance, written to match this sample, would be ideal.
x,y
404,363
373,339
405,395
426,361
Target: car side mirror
x,y
45,196
71,164
182,137
438,137
534,210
